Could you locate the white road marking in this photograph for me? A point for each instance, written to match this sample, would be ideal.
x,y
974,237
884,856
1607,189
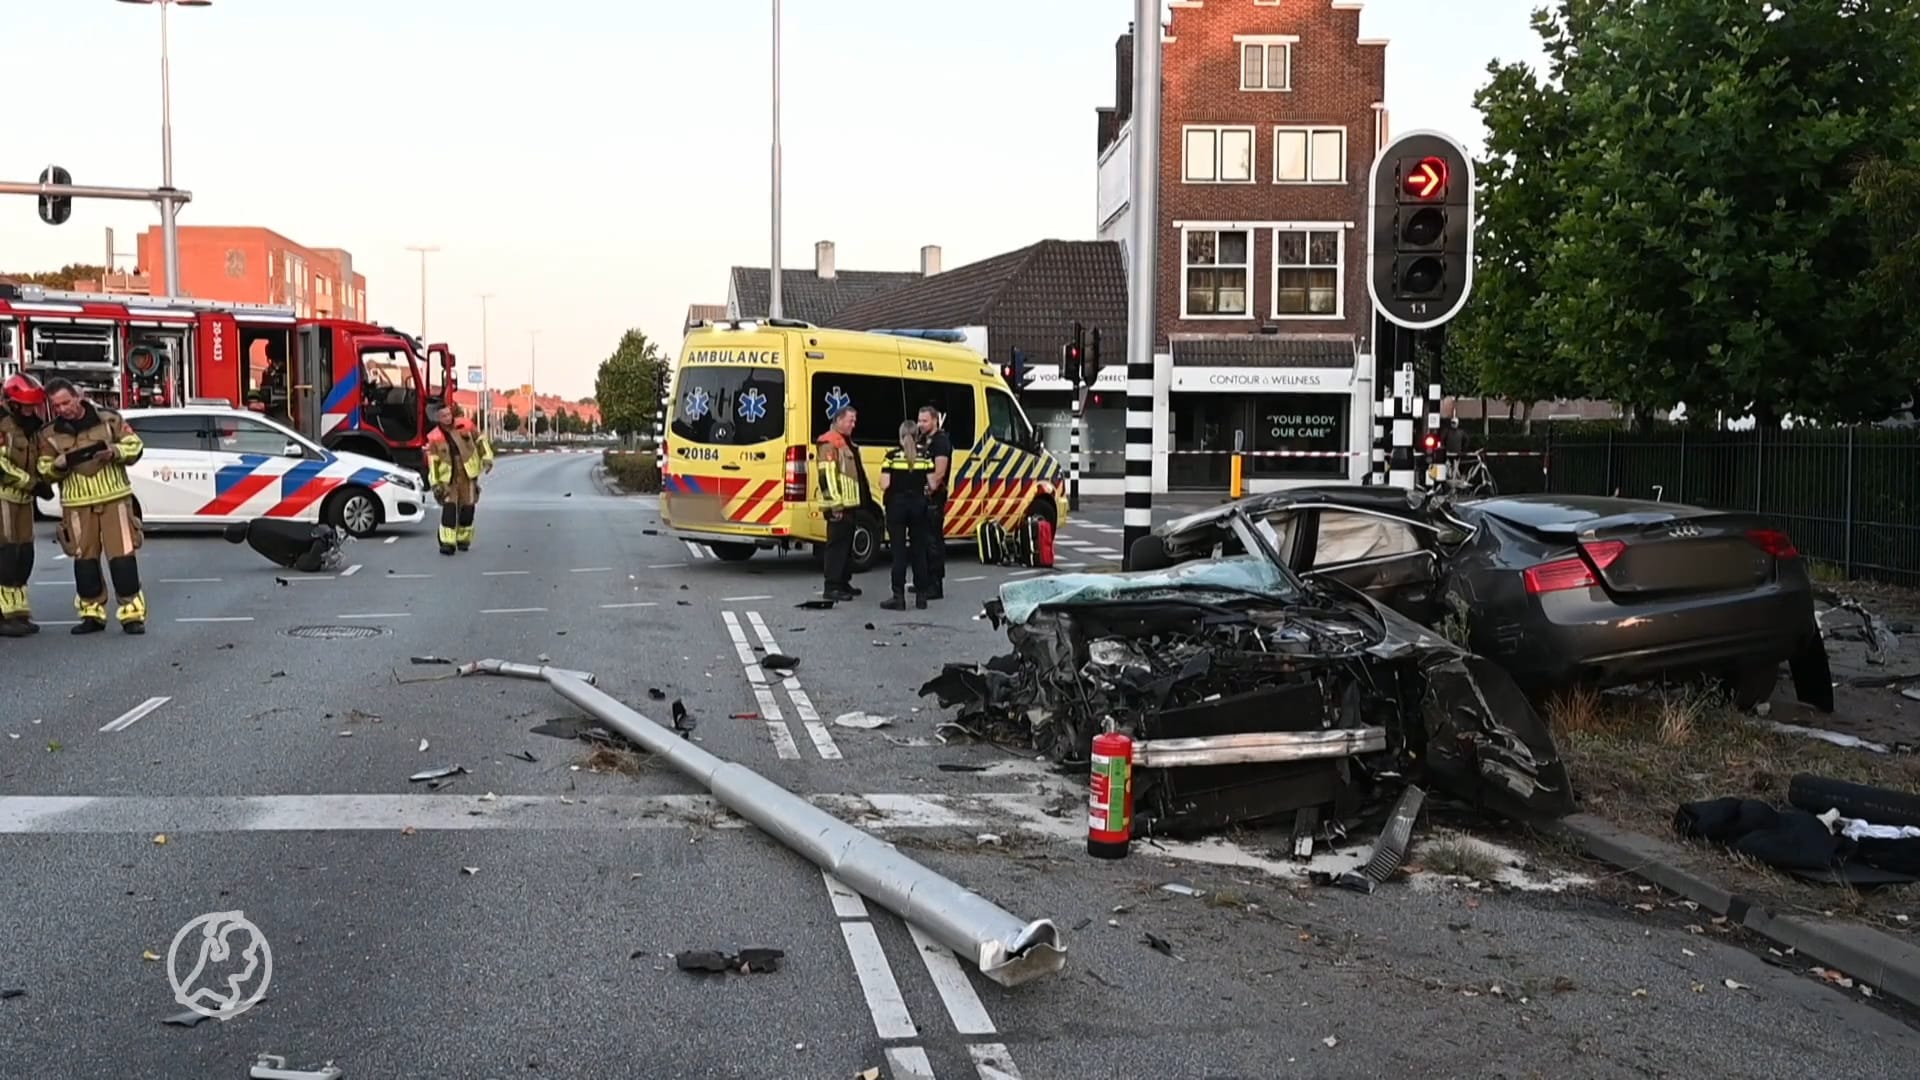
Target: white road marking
x,y
783,745
1076,543
695,550
822,739
890,1017
908,1063
980,577
643,603
1024,573
992,1061
69,622
962,1001
391,540
667,566
802,704
846,903
377,615
505,573
188,580
732,599
757,676
351,570
511,610
221,618
410,577
127,719
591,570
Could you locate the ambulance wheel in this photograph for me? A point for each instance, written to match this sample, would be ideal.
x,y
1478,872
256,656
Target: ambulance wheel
x,y
867,531
731,552
354,511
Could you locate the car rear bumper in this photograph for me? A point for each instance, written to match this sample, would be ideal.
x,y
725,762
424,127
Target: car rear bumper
x,y
1584,637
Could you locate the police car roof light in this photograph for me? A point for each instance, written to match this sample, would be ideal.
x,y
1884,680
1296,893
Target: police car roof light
x,y
219,401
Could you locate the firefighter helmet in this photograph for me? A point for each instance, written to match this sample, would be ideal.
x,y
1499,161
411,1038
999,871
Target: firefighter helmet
x,y
25,390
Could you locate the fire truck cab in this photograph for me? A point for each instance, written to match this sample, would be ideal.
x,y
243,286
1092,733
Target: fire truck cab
x,y
347,385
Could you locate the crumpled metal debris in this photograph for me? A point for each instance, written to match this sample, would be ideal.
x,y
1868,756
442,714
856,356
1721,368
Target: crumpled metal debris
x,y
1345,696
274,1067
746,961
1849,620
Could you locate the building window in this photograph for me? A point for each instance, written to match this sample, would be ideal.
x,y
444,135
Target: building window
x,y
1306,273
1219,155
1266,65
1309,155
1219,263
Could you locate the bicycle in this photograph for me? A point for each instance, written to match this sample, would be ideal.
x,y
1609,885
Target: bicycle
x,y
1478,481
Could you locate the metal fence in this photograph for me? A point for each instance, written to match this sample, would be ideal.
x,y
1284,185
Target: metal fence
x,y
1848,496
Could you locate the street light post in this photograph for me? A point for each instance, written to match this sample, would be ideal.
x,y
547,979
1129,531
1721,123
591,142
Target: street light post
x,y
533,385
169,210
773,301
424,250
486,374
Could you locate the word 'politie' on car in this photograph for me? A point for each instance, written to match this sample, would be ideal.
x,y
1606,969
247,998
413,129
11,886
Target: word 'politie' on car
x,y
1561,590
212,465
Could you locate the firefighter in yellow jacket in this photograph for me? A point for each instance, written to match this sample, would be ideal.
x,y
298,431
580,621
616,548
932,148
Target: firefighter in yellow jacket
x,y
25,411
457,457
86,450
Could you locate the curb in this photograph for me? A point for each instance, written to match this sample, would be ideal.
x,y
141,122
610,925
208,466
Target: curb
x,y
1888,964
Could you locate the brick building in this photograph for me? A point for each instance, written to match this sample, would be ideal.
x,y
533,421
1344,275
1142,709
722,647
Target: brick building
x,y
1271,115
252,265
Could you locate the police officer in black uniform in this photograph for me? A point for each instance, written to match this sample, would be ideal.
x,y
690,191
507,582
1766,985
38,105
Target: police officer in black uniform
x,y
936,447
903,482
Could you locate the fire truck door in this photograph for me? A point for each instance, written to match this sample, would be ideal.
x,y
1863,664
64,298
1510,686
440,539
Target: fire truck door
x,y
312,376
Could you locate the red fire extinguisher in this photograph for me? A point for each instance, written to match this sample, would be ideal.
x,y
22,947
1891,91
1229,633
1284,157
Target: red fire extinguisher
x,y
1043,543
1110,797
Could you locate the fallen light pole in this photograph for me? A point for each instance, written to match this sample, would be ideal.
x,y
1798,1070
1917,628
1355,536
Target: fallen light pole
x,y
1005,949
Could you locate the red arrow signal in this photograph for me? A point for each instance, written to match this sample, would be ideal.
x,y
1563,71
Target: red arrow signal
x,y
1428,178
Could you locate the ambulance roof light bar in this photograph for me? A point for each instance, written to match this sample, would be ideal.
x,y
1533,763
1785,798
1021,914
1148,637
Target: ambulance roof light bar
x,y
951,336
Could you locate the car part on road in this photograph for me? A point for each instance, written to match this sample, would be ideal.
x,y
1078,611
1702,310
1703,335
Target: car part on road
x,y
295,545
438,774
1390,849
523,671
746,961
1882,806
274,1067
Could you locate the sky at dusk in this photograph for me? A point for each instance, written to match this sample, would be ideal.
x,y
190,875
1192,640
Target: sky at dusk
x,y
600,165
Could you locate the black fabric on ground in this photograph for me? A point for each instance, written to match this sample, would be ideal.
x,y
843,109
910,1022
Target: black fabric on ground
x,y
301,546
1797,841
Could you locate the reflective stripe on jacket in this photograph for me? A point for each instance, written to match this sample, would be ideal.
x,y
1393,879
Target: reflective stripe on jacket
x,y
472,450
91,483
839,474
17,463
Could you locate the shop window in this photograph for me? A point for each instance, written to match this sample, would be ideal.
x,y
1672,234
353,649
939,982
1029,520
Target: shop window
x,y
879,402
955,402
1306,273
1300,423
1218,265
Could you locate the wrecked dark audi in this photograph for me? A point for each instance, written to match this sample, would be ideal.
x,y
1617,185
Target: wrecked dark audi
x,y
1252,692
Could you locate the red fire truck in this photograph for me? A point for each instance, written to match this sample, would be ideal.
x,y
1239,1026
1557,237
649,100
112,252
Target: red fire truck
x,y
350,386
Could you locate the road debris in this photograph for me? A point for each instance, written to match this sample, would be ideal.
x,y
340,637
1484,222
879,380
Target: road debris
x,y
745,962
1181,888
1157,944
438,774
274,1067
304,546
1001,946
862,720
779,662
429,660
186,1019
11,992
683,721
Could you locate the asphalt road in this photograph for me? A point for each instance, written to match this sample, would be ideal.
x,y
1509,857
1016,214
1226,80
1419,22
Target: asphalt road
x,y
519,920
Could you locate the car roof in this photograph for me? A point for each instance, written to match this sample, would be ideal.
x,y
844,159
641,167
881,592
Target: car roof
x,y
179,410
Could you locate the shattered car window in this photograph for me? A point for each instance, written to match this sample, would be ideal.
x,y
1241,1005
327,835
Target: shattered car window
x,y
1228,577
1351,537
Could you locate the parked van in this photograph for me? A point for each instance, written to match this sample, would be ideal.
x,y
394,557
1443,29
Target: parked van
x,y
750,399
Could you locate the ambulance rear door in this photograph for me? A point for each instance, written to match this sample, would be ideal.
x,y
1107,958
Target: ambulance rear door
x,y
728,435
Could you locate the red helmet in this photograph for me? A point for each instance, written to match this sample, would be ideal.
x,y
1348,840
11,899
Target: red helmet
x,y
25,390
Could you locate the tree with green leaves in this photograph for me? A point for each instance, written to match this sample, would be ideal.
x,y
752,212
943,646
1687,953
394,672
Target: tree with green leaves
x,y
1695,161
625,384
1889,191
64,278
510,421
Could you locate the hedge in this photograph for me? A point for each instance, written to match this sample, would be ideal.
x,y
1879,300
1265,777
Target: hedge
x,y
635,472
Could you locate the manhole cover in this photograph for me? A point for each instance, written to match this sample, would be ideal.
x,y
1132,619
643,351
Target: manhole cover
x,y
336,633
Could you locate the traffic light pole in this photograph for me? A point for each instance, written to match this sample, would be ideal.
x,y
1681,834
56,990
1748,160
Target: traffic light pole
x,y
1142,260
1073,447
58,192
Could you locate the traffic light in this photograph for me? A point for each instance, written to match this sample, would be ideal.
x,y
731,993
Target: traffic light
x,y
1073,357
1430,442
1093,359
55,209
1420,247
1015,373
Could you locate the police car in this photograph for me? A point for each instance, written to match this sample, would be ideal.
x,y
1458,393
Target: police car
x,y
211,465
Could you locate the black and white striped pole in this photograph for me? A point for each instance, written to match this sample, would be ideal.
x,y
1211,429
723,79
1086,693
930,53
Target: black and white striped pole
x,y
1073,448
1142,259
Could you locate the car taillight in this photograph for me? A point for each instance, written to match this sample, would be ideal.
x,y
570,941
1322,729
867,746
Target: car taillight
x,y
1572,573
1775,543
796,474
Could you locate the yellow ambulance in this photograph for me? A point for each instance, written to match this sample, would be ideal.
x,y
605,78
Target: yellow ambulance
x,y
750,400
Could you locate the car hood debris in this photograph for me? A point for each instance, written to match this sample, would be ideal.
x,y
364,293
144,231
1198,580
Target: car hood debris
x,y
1252,693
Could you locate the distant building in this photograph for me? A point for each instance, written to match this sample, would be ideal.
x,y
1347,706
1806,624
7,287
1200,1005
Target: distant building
x,y
703,313
248,265
815,296
1271,116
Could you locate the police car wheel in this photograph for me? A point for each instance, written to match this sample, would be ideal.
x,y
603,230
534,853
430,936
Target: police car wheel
x,y
866,541
731,552
354,511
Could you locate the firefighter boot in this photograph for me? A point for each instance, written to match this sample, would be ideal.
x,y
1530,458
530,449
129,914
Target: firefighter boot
x,y
126,585
90,596
449,520
14,619
463,535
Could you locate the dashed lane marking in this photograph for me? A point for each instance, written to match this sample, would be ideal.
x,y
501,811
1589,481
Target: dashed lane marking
x,y
642,603
391,540
783,745
732,599
694,549
511,610
823,740
351,570
890,1017
127,719
762,693
591,570
962,1001
980,577
909,1063
189,580
846,903
802,704
409,577
218,618
667,566
505,573
377,615
992,1061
